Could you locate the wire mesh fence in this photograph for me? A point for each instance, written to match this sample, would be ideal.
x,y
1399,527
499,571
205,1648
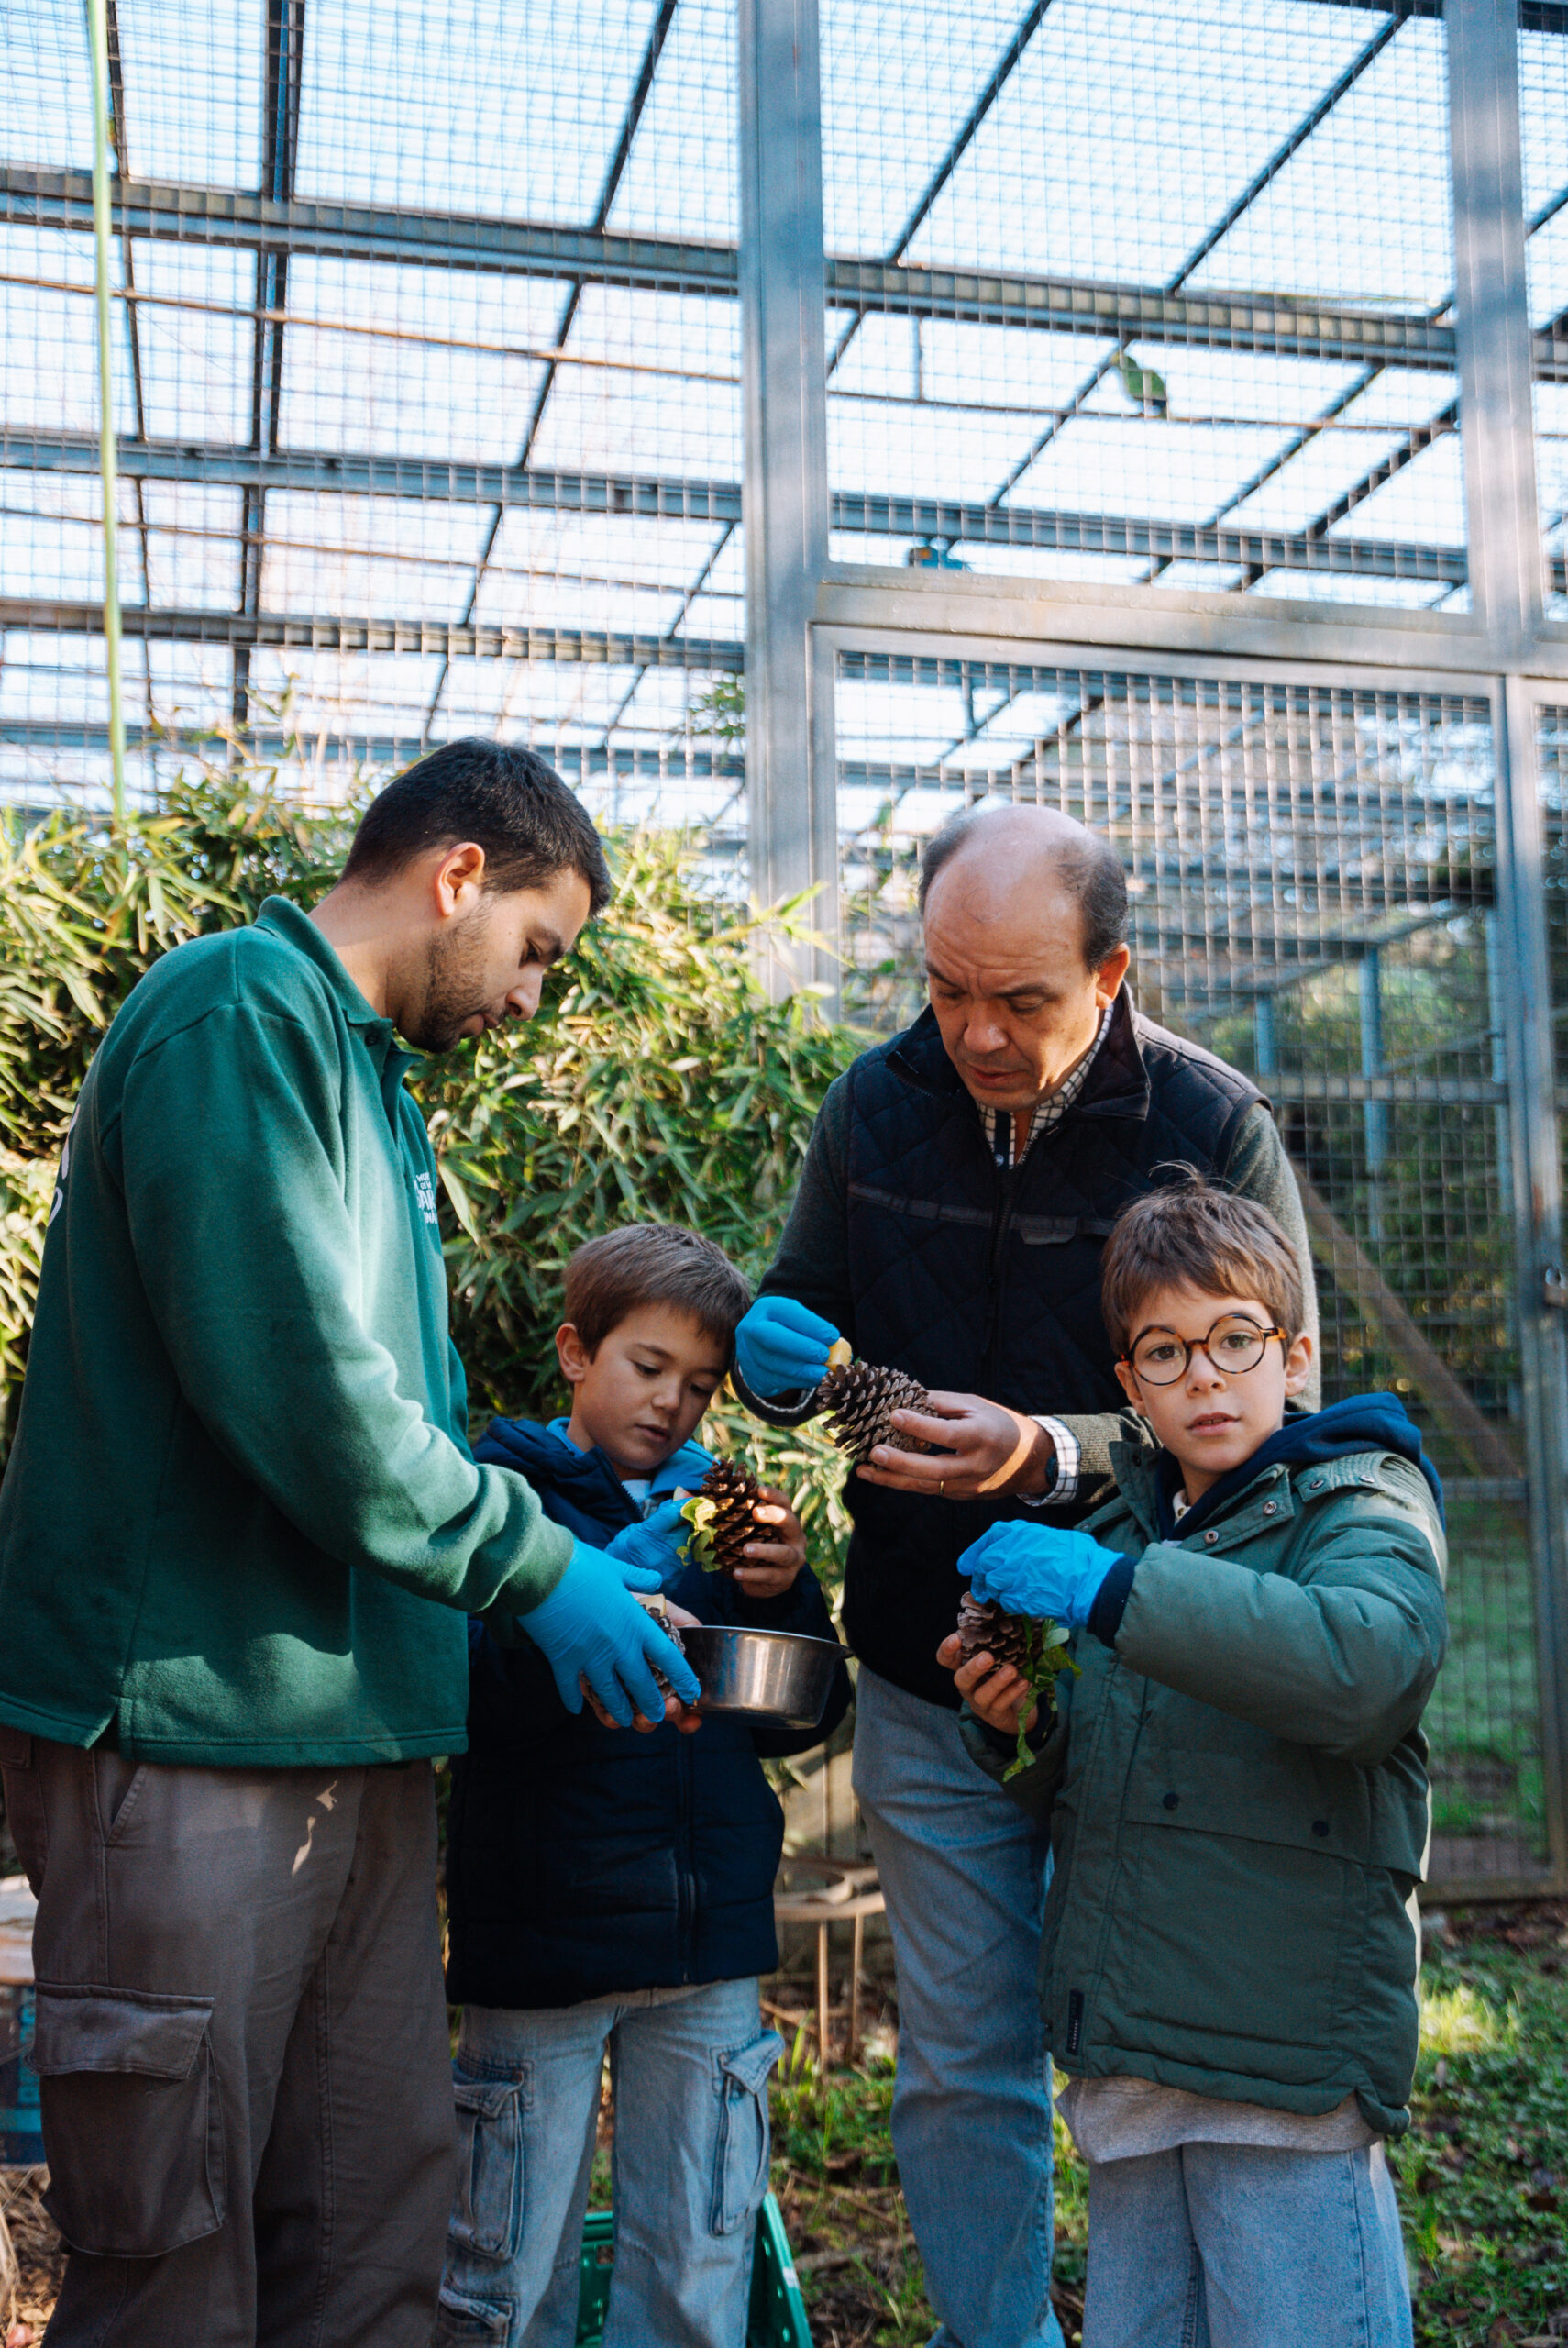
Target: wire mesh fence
x,y
1544,128
1312,872
382,480
1205,152
426,364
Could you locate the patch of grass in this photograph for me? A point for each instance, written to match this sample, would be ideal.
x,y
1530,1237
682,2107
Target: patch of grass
x,y
837,2182
1481,2178
1483,2175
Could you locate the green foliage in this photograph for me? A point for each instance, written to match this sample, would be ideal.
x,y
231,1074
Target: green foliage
x,y
1482,2176
83,913
660,1082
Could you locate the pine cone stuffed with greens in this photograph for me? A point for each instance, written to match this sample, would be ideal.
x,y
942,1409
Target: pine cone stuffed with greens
x,y
1035,1648
672,1633
1009,1638
721,1517
860,1400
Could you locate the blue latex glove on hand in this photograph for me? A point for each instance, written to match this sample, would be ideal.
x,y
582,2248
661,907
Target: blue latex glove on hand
x,y
1039,1569
589,1624
780,1346
649,1553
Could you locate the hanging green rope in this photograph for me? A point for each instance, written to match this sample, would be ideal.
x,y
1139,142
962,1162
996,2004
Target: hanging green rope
x,y
98,32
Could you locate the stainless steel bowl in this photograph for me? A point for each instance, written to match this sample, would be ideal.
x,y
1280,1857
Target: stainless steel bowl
x,y
776,1675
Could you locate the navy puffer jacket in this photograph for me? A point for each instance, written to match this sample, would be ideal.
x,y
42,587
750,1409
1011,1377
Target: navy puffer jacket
x,y
582,1860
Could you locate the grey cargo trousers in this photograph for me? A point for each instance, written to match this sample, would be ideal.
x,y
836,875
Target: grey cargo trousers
x,y
241,2042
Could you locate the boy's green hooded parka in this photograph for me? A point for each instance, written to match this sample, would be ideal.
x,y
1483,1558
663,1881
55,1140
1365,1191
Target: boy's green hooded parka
x,y
1237,1796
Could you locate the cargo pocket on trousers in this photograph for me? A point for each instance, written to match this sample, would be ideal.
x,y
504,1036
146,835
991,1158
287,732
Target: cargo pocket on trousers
x,y
740,2165
490,2165
459,2319
132,2121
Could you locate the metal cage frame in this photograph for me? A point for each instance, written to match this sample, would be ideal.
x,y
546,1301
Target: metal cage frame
x,y
804,610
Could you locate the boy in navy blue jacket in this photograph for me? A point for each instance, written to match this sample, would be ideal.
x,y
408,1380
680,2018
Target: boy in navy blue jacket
x,y
612,1891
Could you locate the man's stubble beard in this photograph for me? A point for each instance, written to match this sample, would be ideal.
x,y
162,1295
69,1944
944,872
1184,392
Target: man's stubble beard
x,y
454,984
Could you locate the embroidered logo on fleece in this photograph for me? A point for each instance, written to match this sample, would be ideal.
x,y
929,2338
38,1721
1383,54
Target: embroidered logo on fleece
x,y
424,1192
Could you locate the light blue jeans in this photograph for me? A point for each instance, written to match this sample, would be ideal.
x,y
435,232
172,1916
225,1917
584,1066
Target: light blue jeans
x,y
1231,2246
690,2071
964,1874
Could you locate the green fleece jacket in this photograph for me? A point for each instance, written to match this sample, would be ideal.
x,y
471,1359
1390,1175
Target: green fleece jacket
x,y
1237,1793
240,1524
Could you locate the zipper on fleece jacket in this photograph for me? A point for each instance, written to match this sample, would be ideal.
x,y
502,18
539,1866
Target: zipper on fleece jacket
x,y
1004,1192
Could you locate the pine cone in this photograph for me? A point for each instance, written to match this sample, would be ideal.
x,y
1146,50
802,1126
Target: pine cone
x,y
672,1633
726,1525
1009,1638
860,1400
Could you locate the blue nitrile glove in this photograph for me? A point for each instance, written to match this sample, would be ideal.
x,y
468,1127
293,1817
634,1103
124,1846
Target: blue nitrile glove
x,y
589,1624
651,1550
1039,1569
780,1346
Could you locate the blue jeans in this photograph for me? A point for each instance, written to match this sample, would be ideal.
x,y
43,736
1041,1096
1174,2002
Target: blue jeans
x,y
690,2071
964,1874
1231,2246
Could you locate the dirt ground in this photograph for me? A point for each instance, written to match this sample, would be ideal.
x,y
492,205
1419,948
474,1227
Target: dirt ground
x,y
1481,2179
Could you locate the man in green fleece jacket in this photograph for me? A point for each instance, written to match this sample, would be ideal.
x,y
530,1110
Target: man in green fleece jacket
x,y
239,1534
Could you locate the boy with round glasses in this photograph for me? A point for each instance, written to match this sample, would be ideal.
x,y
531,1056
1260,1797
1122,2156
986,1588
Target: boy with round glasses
x,y
1236,1786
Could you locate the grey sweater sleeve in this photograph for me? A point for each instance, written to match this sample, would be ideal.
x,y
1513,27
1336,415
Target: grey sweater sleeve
x,y
1257,1168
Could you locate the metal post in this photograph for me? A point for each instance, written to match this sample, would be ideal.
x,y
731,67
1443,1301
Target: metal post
x,y
98,38
1498,967
1528,1043
1266,1049
793,831
1374,1113
1492,322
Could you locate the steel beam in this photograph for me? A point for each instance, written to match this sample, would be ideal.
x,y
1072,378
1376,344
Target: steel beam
x,y
1270,168
452,640
791,772
1492,318
587,761
161,209
964,138
1534,16
280,140
613,177
720,502
375,476
1530,1057
1267,322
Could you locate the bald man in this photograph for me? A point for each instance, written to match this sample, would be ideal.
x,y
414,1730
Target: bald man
x,y
958,1187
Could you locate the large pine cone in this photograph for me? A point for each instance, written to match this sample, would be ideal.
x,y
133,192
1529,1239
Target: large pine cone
x,y
860,1400
1010,1638
733,1490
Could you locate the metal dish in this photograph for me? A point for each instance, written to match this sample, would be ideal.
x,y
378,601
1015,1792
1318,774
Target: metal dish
x,y
776,1675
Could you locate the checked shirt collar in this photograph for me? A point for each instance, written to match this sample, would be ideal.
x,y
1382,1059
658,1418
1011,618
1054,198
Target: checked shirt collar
x,y
1047,1113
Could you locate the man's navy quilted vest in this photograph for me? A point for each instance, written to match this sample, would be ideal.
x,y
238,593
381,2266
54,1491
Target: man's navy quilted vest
x,y
986,1281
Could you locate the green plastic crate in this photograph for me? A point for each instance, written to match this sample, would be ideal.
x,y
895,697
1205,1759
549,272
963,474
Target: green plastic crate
x,y
778,2315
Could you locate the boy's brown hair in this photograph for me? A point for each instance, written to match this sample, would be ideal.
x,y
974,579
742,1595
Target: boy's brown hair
x,y
1194,1235
653,1263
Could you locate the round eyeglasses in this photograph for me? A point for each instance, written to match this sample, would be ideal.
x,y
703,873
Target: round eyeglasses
x,y
1235,1344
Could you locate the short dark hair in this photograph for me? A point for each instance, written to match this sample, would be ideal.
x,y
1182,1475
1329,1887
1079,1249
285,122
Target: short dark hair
x,y
1090,869
506,800
653,1263
1193,1233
